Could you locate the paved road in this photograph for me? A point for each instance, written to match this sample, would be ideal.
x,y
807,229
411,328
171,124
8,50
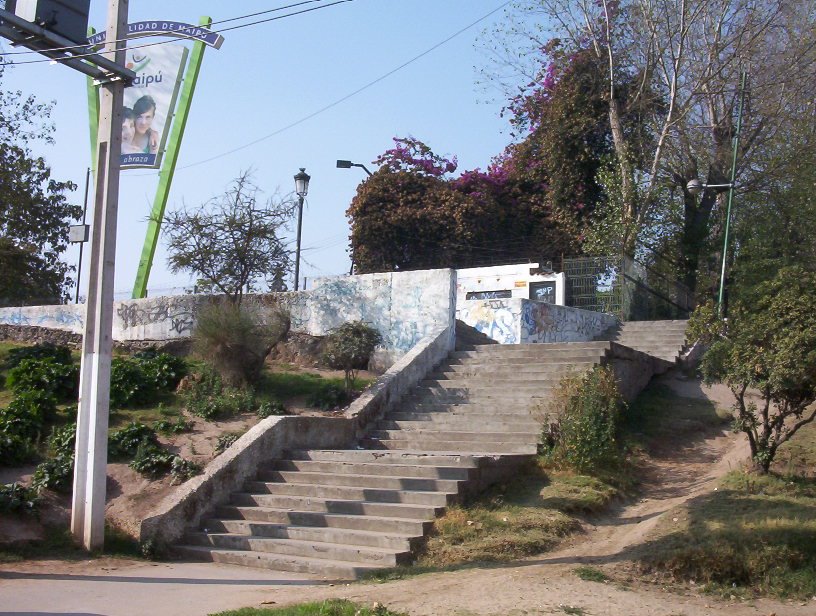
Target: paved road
x,y
128,588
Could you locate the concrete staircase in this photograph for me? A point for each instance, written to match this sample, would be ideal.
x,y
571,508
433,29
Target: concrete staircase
x,y
341,513
663,339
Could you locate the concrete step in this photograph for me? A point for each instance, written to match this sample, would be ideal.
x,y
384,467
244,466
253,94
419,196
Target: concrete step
x,y
510,371
439,436
329,505
531,352
348,521
373,495
461,422
334,570
386,540
362,468
475,407
490,386
310,549
394,457
476,448
595,345
536,363
406,482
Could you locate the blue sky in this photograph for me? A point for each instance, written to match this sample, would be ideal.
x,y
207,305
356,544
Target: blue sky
x,y
270,76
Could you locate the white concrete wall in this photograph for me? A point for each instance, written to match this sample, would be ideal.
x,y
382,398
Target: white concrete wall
x,y
522,321
515,279
404,306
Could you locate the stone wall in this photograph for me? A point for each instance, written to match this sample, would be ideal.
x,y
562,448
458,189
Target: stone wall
x,y
521,321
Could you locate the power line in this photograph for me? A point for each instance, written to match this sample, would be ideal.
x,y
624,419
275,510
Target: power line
x,y
90,54
348,96
181,31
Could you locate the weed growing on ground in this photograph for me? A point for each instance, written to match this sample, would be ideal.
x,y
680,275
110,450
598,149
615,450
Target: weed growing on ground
x,y
330,607
591,574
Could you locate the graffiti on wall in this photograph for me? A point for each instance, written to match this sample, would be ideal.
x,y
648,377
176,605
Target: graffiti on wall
x,y
175,312
495,318
541,322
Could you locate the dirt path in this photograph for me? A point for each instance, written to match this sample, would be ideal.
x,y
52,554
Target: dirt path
x,y
540,585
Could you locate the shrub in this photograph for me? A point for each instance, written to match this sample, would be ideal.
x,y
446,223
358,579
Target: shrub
x,y
328,397
15,450
165,426
151,460
236,340
16,498
60,354
62,441
269,408
25,415
45,375
225,441
124,442
588,410
161,370
349,348
209,398
181,470
54,474
57,472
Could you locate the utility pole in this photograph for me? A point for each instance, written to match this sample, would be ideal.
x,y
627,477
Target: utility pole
x,y
91,454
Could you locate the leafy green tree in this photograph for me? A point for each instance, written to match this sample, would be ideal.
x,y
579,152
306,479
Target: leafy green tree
x,y
770,348
34,208
349,347
230,242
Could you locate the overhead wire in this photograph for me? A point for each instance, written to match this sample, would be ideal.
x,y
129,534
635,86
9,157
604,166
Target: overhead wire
x,y
91,54
180,31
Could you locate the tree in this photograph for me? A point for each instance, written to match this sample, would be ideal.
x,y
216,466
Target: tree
x,y
349,347
670,72
34,209
230,241
770,347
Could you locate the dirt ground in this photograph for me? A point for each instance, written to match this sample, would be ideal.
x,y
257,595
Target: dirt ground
x,y
546,584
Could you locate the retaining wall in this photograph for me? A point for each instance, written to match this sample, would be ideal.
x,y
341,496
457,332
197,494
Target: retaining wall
x,y
522,321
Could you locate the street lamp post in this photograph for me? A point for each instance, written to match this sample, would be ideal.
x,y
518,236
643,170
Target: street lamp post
x,y
301,189
347,164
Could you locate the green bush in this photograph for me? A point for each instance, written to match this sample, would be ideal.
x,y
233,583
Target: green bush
x,y
60,354
328,397
161,370
62,441
165,426
16,498
54,474
151,460
46,375
270,408
225,441
588,412
349,348
181,470
15,450
236,340
209,398
26,414
124,442
57,472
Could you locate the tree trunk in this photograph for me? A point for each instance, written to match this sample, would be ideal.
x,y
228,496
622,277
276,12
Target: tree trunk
x,y
627,181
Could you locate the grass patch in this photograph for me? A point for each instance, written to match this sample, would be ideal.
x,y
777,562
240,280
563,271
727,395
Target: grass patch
x,y
522,518
331,607
591,574
283,385
58,544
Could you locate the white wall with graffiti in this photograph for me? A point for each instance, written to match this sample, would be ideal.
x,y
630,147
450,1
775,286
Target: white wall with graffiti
x,y
522,321
403,306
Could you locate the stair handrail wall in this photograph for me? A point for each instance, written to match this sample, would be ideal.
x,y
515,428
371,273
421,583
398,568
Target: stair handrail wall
x,y
196,499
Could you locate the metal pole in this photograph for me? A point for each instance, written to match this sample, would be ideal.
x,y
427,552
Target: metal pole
x,y
720,305
297,252
90,463
82,244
